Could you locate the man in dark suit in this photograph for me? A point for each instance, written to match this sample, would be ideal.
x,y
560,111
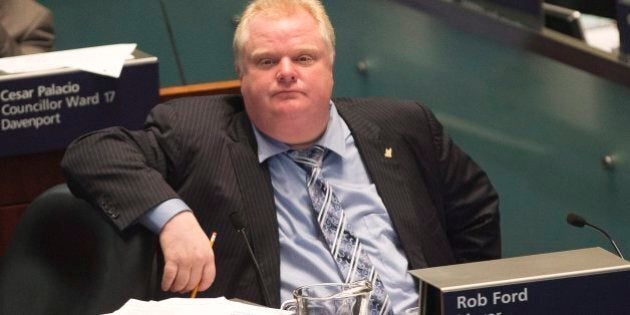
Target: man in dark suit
x,y
26,27
412,197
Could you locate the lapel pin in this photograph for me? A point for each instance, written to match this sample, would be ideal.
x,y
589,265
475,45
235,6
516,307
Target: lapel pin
x,y
388,153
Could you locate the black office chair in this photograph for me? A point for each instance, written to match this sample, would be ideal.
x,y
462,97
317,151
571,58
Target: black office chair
x,y
65,258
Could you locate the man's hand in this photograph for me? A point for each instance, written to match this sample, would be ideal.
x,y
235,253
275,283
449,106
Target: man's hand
x,y
188,257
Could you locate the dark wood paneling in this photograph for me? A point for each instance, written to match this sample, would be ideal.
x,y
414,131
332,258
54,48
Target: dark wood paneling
x,y
26,176
23,178
9,217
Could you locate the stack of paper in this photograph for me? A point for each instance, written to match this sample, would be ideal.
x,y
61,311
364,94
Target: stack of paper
x,y
600,32
105,60
201,306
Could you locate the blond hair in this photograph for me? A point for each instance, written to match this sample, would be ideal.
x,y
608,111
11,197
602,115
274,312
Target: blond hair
x,y
276,9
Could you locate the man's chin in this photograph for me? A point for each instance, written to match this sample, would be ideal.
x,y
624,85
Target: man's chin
x,y
291,106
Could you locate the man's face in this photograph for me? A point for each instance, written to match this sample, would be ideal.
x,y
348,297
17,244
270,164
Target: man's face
x,y
286,78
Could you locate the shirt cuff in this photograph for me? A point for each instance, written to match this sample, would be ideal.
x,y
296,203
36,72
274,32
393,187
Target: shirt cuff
x,y
156,218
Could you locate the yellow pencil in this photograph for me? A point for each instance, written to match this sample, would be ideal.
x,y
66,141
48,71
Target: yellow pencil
x,y
213,237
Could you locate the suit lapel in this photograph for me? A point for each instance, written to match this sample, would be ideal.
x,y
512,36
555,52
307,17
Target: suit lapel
x,y
258,204
382,154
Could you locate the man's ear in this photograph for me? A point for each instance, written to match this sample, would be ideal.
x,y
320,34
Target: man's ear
x,y
240,71
237,70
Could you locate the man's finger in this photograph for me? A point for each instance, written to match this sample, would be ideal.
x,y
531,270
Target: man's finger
x,y
208,275
170,272
195,277
181,280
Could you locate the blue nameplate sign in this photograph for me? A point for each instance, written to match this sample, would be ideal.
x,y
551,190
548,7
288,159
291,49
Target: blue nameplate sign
x,y
588,281
45,111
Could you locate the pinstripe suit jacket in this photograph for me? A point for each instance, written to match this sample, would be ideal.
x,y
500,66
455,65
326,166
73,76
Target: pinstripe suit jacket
x,y
203,150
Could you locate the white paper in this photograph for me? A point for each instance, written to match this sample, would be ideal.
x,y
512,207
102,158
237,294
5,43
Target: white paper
x,y
199,306
600,32
105,60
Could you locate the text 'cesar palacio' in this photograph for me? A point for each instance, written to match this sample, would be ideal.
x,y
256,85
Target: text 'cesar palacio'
x,y
42,105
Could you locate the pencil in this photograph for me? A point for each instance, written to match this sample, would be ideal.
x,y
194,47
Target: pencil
x,y
213,237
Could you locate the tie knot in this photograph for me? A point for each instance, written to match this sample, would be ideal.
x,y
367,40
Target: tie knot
x,y
310,158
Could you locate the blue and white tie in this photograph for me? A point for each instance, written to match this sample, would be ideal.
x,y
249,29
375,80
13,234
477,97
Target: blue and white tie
x,y
346,249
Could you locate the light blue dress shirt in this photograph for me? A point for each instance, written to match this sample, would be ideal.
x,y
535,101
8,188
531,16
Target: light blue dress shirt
x,y
304,255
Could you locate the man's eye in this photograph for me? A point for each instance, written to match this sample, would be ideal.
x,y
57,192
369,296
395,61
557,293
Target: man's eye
x,y
305,59
267,62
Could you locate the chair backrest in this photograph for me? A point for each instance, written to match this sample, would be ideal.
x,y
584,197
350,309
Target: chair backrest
x,y
66,258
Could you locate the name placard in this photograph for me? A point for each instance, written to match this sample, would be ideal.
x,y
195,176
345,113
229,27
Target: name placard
x,y
45,111
587,281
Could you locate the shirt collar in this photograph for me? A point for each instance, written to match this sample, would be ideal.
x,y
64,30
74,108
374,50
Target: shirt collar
x,y
333,139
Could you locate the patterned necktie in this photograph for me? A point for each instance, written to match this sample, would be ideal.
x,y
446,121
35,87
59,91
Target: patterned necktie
x,y
346,249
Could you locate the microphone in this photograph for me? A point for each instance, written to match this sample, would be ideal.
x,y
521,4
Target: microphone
x,y
239,225
579,221
171,39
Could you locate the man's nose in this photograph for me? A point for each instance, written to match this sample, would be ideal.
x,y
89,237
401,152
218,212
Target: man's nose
x,y
286,71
